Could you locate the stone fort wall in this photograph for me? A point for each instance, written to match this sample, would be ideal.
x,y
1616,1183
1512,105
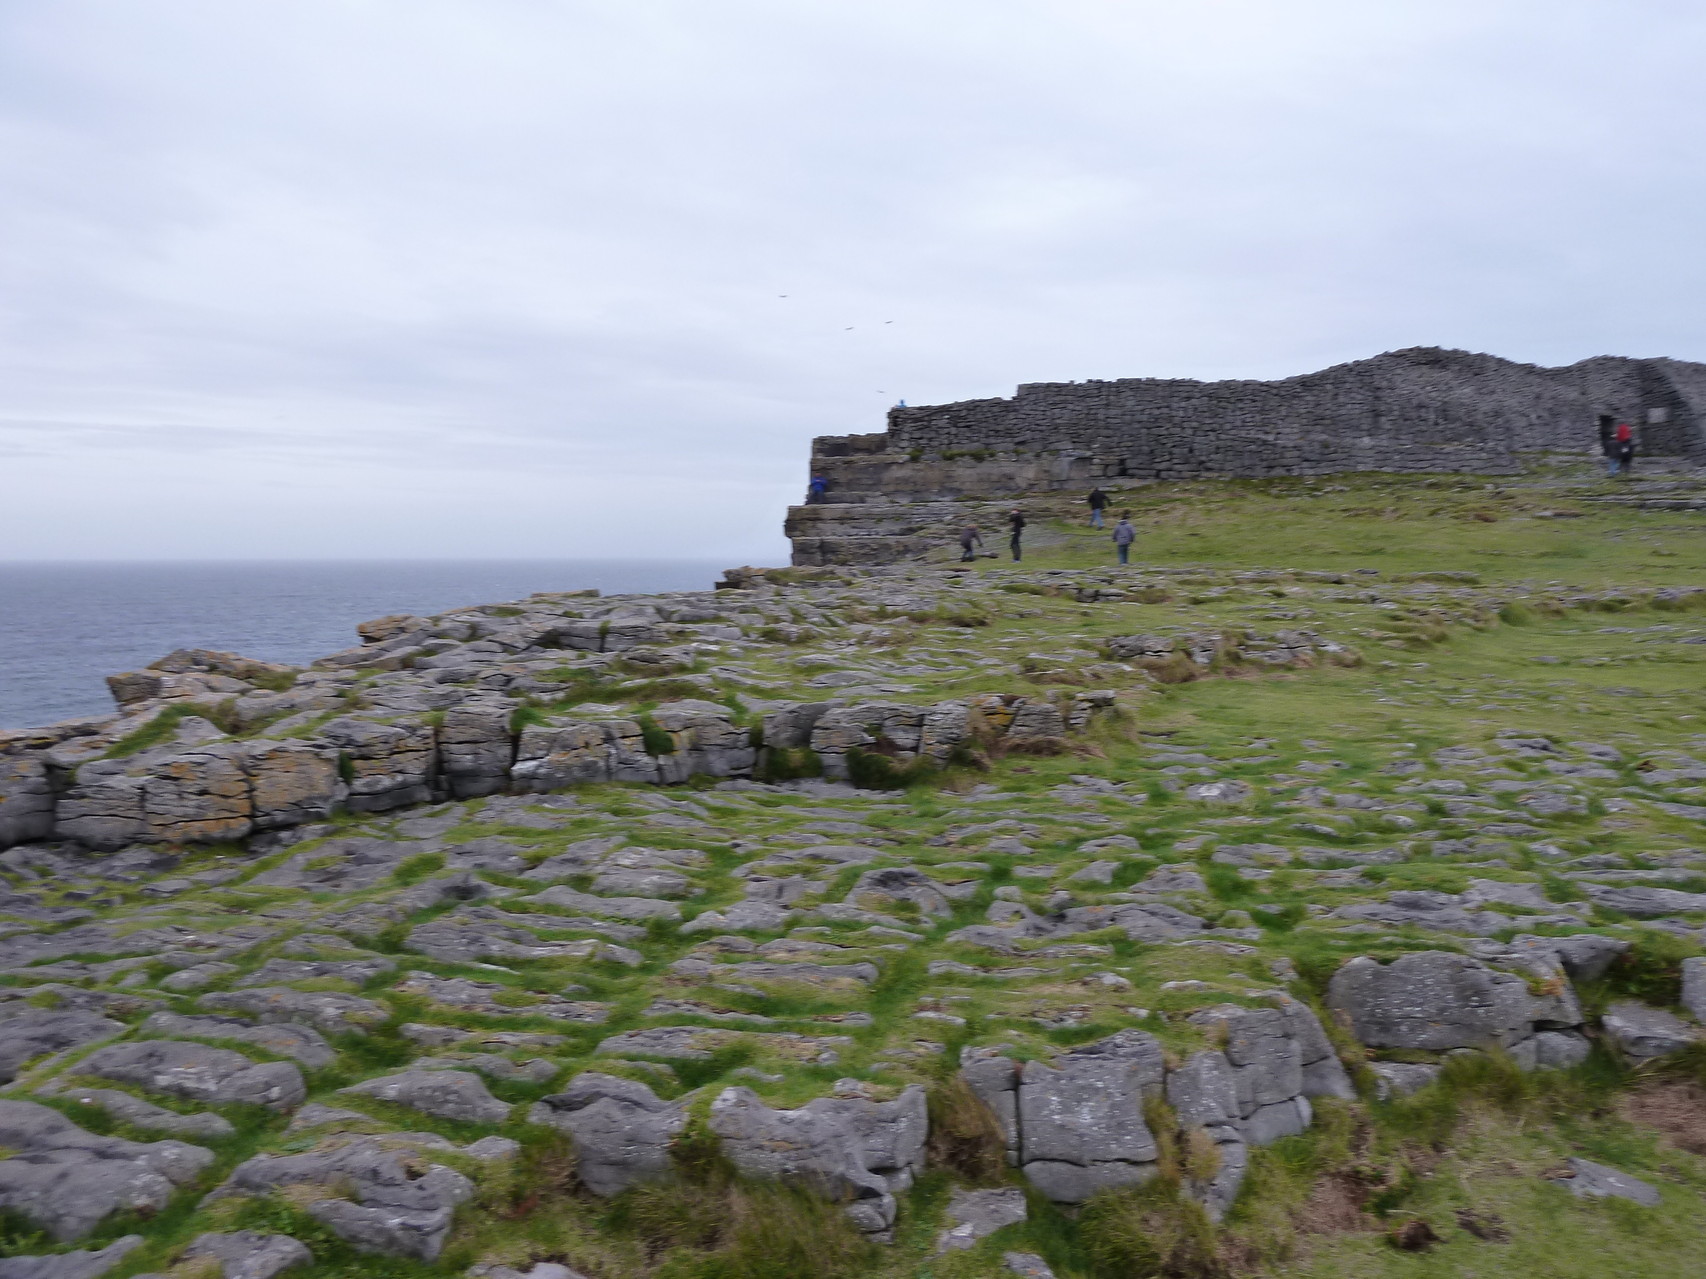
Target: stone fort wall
x,y
1423,409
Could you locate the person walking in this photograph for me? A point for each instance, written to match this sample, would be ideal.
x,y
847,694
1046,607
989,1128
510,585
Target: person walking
x,y
969,535
1016,518
1098,501
1625,448
1608,442
1124,536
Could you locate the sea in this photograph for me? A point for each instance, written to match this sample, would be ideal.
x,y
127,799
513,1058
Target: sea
x,y
65,627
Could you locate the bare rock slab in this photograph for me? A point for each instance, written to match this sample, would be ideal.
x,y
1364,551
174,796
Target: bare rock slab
x,y
976,1213
249,1254
447,1094
81,1264
66,1180
1596,1181
198,1073
1643,1033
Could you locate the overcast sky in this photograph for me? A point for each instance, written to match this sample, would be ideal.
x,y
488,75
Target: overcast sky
x,y
469,278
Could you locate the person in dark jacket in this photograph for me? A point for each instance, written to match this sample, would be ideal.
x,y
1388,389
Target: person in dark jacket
x,y
1098,501
969,535
1016,518
1124,536
1608,442
816,489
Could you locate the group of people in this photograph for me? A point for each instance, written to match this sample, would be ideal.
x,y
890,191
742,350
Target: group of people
x,y
1124,532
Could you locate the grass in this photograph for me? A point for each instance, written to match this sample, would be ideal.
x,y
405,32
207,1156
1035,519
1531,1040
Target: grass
x,y
1470,629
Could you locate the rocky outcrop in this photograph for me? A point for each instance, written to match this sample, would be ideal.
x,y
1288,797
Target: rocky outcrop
x,y
847,1148
1077,1125
621,1130
1439,1000
203,787
401,1205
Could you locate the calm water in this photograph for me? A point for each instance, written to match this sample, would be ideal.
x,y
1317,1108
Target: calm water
x,y
65,627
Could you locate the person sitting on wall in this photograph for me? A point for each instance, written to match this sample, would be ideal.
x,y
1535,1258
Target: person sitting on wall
x,y
1016,518
968,535
816,489
1098,501
1124,536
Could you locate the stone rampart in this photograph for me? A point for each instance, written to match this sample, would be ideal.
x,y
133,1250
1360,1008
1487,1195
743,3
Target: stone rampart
x,y
1418,410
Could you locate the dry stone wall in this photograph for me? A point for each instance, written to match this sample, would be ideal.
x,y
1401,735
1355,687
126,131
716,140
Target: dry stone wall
x,y
1417,410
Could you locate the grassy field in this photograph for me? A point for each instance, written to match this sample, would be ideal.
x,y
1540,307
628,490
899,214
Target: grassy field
x,y
1490,620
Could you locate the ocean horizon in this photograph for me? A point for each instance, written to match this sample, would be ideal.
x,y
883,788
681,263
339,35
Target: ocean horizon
x,y
66,625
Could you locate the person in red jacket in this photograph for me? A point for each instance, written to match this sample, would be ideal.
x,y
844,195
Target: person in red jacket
x,y
1625,448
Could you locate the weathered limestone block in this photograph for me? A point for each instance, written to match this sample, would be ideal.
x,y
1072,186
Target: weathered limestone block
x,y
1643,1033
790,727
707,742
387,765
291,784
198,1072
26,798
977,1213
144,1115
199,796
476,748
66,1180
1035,721
621,1129
400,1208
551,757
81,1263
847,1149
447,1094
330,1011
1081,1126
249,1254
103,808
947,726
390,627
31,1032
1432,999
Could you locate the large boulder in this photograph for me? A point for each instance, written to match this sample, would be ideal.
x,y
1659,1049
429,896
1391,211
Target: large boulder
x,y
621,1130
1076,1126
1432,1000
66,1181
850,1149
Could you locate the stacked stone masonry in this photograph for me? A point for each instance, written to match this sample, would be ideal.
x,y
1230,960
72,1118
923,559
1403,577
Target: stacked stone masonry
x,y
1423,409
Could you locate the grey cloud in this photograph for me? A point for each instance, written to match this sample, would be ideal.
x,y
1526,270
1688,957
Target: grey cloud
x,y
513,253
